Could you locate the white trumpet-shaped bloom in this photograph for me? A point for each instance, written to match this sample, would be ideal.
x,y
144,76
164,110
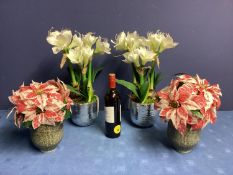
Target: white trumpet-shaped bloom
x,y
80,55
87,54
145,55
89,39
139,57
60,40
76,42
167,43
159,41
120,41
102,47
129,41
131,57
79,49
75,55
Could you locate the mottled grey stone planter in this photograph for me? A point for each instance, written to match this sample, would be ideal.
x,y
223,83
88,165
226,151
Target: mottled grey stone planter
x,y
46,137
182,143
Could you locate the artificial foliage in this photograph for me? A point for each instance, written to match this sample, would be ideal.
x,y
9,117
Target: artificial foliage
x,y
142,54
189,102
78,51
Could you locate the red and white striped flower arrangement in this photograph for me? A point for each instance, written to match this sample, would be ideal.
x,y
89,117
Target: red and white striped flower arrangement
x,y
41,104
189,101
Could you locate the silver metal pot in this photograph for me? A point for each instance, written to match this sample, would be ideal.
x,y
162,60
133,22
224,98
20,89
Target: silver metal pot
x,y
142,115
84,114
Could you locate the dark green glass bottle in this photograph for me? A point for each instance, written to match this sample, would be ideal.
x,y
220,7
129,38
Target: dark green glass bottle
x,y
112,109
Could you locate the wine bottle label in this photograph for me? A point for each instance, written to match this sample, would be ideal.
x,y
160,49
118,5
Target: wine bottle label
x,y
109,114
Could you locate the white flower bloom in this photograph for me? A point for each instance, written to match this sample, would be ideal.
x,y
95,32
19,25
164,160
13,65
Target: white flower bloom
x,y
60,40
87,54
159,41
102,47
154,40
133,41
76,42
120,41
75,56
131,57
129,42
139,57
80,55
145,55
167,43
89,39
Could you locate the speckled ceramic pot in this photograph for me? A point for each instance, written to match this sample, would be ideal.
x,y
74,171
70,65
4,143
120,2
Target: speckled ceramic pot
x,y
85,114
46,137
182,143
142,115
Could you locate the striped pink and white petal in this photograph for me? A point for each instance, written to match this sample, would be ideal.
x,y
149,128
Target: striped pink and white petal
x,y
36,122
182,113
166,112
184,93
200,100
164,93
190,105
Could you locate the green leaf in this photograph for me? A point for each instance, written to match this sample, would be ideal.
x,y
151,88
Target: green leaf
x,y
83,89
152,79
135,74
90,91
78,74
67,114
144,89
73,90
158,79
27,124
132,87
96,73
197,113
147,71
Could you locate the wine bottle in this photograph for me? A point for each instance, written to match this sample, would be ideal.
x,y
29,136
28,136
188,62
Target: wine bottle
x,y
112,109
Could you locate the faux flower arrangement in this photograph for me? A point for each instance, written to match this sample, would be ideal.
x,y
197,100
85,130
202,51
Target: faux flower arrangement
x,y
189,102
142,53
41,104
78,51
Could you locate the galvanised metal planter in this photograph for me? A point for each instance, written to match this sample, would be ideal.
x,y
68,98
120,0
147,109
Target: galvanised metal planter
x,y
84,114
47,137
142,115
182,143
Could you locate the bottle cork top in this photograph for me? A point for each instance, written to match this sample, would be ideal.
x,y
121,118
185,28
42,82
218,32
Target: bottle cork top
x,y
112,80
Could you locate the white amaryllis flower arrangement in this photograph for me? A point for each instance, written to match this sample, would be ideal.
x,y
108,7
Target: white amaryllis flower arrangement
x,y
142,53
78,51
189,102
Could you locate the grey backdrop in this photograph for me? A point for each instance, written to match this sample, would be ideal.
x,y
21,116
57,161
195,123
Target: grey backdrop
x,y
202,27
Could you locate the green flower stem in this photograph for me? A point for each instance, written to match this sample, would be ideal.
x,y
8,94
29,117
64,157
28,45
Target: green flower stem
x,y
141,78
152,76
90,90
83,87
84,77
72,74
